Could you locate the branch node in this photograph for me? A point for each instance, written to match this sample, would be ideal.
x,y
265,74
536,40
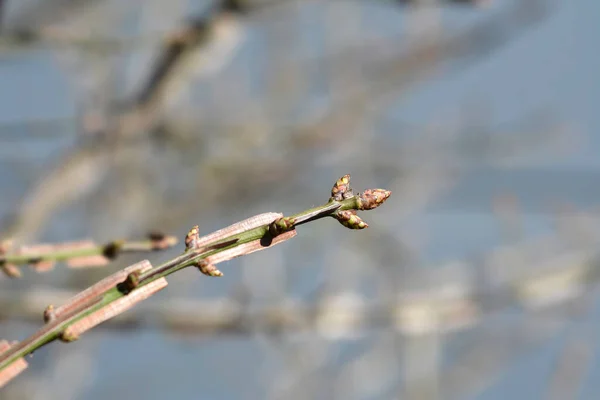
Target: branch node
x,y
281,225
131,282
111,250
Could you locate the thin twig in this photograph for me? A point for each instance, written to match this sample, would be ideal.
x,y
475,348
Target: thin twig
x,y
80,254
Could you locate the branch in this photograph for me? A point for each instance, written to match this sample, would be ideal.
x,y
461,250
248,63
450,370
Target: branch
x,y
120,291
77,254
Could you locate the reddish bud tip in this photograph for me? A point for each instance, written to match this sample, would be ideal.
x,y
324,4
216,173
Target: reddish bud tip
x,y
372,198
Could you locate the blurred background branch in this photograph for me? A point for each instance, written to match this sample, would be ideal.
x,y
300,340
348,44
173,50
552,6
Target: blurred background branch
x,y
79,254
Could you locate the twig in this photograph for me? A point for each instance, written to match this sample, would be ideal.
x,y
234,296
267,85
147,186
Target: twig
x,y
76,254
100,303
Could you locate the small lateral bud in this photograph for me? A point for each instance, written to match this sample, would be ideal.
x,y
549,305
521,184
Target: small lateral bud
x,y
350,220
341,189
281,225
68,336
208,269
49,314
192,238
131,282
372,198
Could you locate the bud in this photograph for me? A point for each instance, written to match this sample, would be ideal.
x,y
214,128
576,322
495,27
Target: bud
x,y
68,336
191,239
131,282
49,314
372,198
208,269
341,189
349,219
281,225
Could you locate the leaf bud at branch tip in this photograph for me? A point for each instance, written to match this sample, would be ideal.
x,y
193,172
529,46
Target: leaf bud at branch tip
x,y
372,198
